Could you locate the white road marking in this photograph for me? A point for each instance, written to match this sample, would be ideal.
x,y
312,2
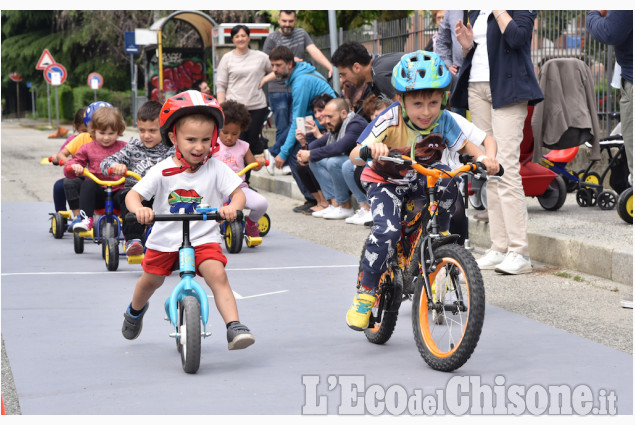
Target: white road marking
x,y
139,271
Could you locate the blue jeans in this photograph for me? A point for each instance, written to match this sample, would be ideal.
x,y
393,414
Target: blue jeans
x,y
292,162
348,171
328,172
281,106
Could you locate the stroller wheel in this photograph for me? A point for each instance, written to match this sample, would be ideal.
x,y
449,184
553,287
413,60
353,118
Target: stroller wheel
x,y
584,197
625,205
607,199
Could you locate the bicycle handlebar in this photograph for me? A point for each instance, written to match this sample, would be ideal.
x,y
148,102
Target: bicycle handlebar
x,y
97,179
202,214
61,162
127,173
250,166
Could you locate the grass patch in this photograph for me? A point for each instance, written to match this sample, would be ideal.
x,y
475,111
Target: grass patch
x,y
562,274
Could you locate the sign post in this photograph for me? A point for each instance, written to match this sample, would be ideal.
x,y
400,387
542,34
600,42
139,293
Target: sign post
x,y
95,82
132,48
45,60
55,74
17,78
32,90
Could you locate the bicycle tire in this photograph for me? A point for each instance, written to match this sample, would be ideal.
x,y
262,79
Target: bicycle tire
x,y
461,329
625,205
555,195
78,243
58,225
381,332
111,254
234,236
190,335
264,225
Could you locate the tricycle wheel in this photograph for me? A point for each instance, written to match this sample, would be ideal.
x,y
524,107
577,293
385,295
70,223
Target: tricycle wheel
x,y
111,253
555,195
625,205
190,335
234,236
264,225
607,199
78,243
58,225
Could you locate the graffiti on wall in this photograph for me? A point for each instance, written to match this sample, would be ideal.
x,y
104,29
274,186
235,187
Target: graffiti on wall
x,y
180,70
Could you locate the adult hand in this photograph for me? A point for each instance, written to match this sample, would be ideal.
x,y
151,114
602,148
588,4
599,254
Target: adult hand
x,y
453,69
603,13
300,137
491,164
464,35
279,162
304,156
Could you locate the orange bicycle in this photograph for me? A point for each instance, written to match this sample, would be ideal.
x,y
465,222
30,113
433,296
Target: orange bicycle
x,y
440,277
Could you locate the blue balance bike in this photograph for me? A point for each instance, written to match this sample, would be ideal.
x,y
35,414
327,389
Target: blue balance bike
x,y
187,306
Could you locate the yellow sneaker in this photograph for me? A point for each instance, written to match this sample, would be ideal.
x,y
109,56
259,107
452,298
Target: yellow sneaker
x,y
359,314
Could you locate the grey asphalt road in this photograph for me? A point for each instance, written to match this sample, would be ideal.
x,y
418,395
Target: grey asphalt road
x,y
566,301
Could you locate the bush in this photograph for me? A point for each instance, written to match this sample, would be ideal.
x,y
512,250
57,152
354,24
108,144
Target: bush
x,y
66,104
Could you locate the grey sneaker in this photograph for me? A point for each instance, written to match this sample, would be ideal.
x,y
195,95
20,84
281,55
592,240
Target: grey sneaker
x,y
239,337
132,325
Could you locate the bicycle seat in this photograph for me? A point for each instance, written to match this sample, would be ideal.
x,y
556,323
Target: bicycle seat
x,y
562,155
102,211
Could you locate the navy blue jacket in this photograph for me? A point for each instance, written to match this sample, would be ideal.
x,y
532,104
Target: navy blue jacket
x,y
617,30
512,77
320,150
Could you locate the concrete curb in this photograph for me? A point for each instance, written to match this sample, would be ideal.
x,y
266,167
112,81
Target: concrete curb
x,y
545,247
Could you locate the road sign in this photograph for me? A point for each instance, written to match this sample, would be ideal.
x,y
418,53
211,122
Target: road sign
x,y
55,74
95,80
130,43
45,60
15,77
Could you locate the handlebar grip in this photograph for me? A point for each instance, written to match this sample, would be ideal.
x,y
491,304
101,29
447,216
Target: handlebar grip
x,y
109,171
365,153
500,170
131,218
266,162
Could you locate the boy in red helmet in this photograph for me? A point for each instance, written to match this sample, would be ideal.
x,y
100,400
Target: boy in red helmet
x,y
191,121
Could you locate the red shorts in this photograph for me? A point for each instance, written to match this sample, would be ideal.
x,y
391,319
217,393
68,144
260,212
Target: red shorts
x,y
164,263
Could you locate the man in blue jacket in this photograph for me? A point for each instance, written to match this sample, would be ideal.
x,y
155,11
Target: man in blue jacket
x,y
327,154
305,84
615,27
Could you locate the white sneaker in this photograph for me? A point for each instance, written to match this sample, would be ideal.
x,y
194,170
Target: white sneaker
x,y
361,217
271,168
320,213
339,213
514,263
490,260
286,170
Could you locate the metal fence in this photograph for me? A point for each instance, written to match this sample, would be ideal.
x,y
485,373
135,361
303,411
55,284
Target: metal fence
x,y
557,34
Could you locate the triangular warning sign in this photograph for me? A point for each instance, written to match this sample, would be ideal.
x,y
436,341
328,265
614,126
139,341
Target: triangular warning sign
x,y
45,60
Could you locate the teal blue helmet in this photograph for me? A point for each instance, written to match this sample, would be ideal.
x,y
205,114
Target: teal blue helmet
x,y
88,115
420,70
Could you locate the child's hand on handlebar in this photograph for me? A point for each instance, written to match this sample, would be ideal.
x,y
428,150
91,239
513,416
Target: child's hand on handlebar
x,y
228,212
144,215
379,149
118,170
491,164
78,169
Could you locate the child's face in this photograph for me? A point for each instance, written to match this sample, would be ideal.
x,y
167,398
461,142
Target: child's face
x,y
423,110
193,139
229,134
149,132
106,137
82,128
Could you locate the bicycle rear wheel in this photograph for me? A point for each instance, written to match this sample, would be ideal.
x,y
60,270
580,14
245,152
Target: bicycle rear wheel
x,y
387,305
447,328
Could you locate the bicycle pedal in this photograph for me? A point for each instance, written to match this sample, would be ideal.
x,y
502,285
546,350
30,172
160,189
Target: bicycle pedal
x,y
206,334
253,241
174,335
135,259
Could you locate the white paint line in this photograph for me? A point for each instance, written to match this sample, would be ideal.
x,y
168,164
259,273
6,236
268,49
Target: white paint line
x,y
240,297
139,271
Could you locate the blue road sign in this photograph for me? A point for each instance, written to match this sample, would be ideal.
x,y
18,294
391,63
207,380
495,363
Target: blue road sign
x,y
130,43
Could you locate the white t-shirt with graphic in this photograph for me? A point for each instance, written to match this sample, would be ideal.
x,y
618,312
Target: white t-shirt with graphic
x,y
211,184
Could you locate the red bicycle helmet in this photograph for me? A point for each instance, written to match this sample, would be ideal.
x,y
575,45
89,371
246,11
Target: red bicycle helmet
x,y
188,103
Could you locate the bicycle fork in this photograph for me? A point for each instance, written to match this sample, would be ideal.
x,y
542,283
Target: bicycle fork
x,y
187,286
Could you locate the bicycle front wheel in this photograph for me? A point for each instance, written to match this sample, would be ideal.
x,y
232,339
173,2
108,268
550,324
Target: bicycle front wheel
x,y
447,328
190,335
